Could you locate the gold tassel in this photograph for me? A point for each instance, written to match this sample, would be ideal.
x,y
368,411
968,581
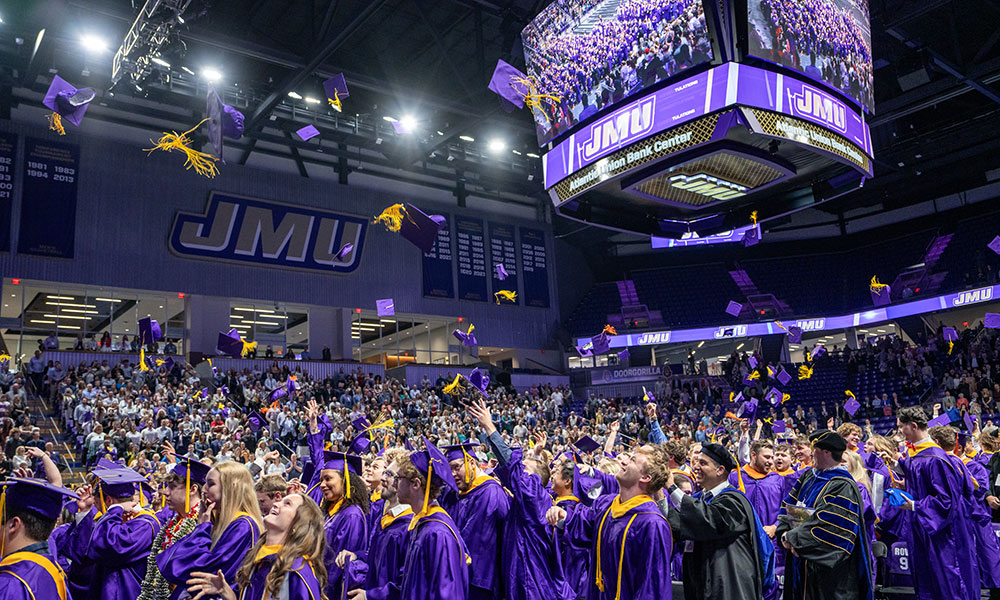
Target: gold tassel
x,y
187,490
3,505
248,347
753,218
142,360
877,287
850,394
785,398
465,457
529,93
454,385
347,480
201,162
506,295
392,217
55,123
608,329
951,346
469,332
335,102
754,375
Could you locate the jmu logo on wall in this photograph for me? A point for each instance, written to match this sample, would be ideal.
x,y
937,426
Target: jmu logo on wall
x,y
971,297
234,228
811,102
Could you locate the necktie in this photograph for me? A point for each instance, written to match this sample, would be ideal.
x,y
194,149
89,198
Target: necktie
x,y
707,496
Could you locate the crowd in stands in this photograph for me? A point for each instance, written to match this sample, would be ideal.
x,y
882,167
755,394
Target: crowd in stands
x,y
646,41
837,45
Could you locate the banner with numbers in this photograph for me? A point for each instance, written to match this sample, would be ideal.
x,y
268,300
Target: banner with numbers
x,y
8,151
470,244
438,281
503,252
534,268
48,201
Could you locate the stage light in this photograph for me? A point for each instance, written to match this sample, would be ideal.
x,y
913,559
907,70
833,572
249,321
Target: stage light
x,y
160,62
532,155
409,122
295,95
94,44
467,138
497,145
311,100
187,70
211,75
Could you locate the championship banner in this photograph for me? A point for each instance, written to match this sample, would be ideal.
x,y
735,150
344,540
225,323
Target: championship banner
x,y
438,281
48,201
8,150
471,245
503,252
534,268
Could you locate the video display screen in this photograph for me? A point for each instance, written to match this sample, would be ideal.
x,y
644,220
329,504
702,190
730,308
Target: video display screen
x,y
590,54
828,40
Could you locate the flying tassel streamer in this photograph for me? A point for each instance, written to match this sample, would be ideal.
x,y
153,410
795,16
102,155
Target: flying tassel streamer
x,y
754,375
785,398
506,295
142,360
608,329
951,346
335,102
753,218
877,287
248,347
850,394
392,217
55,123
529,93
202,163
453,386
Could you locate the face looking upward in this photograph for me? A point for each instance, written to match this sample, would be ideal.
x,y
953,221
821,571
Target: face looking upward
x,y
279,519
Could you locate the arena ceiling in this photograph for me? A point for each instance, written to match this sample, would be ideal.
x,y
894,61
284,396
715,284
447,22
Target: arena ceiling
x,y
934,128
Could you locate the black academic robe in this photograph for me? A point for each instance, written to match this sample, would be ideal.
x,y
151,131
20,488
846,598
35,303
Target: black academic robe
x,y
830,543
721,560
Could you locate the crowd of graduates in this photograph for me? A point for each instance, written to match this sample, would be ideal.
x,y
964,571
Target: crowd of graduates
x,y
357,487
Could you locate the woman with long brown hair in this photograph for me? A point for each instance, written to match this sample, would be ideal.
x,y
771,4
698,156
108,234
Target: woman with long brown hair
x,y
228,527
287,563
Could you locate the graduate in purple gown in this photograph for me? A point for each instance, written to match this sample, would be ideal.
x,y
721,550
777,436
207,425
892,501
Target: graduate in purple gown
x,y
760,483
436,565
480,508
531,565
120,539
373,481
387,546
228,527
976,488
57,545
282,564
575,556
942,546
30,509
630,540
344,504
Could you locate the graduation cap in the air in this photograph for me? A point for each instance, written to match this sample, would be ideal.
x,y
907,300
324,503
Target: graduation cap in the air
x,y
66,102
992,320
336,90
256,421
149,331
601,343
794,335
994,245
852,405
782,376
750,237
585,350
36,495
501,271
778,426
817,352
479,380
647,396
881,292
307,133
623,355
585,487
773,396
467,338
413,224
285,389
586,444
233,345
506,83
752,361
940,420
385,307
734,308
950,335
224,121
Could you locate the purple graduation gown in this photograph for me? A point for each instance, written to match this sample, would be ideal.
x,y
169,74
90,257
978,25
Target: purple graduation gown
x,y
57,545
316,446
436,565
375,510
384,564
480,515
82,573
300,581
942,546
119,549
648,545
575,556
193,552
346,530
23,579
531,566
987,545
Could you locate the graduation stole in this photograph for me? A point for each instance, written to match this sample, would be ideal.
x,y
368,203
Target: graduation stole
x,y
915,449
570,498
54,571
617,510
478,481
264,551
388,519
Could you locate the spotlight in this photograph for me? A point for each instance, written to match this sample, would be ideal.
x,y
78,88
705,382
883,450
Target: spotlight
x,y
211,75
409,122
295,95
94,44
160,62
389,119
311,100
467,138
532,155
187,70
497,145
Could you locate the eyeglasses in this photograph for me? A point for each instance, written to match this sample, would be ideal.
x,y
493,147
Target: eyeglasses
x,y
390,475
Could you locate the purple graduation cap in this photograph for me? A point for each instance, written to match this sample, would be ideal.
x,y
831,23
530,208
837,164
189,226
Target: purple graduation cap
x,y
386,307
307,133
778,427
68,102
882,297
344,251
433,460
336,90
584,352
752,361
36,495
970,422
852,405
149,331
734,308
601,343
503,84
224,121
585,487
995,244
586,444
119,481
950,335
794,335
750,238
256,421
421,229
479,380
623,355
224,390
818,351
774,396
782,376
939,420
747,410
230,343
501,271
992,320
285,390
467,339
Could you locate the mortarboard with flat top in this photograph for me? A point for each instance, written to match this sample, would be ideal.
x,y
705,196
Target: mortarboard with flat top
x,y
950,335
479,380
417,227
501,271
224,121
774,396
385,307
118,482
336,90
256,421
782,376
467,338
37,495
939,420
817,352
307,133
778,427
747,410
794,335
585,350
882,296
995,244
586,444
462,451
851,406
286,389
623,355
752,361
66,102
734,308
601,343
337,461
503,83
359,445
750,238
197,469
233,345
432,460
149,331
992,320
